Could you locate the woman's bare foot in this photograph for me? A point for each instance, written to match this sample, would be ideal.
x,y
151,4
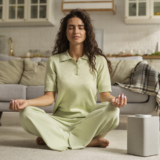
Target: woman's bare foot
x,y
40,141
98,142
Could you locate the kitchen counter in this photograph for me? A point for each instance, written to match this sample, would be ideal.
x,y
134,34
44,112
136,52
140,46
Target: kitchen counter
x,y
144,57
30,57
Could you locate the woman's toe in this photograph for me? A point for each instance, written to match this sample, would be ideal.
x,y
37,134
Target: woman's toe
x,y
40,141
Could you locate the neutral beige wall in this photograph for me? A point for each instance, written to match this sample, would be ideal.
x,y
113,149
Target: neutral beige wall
x,y
117,35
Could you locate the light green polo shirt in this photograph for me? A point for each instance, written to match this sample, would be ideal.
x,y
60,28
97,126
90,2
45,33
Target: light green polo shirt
x,y
75,84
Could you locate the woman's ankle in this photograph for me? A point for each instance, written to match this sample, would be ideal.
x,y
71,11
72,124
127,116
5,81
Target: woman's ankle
x,y
94,142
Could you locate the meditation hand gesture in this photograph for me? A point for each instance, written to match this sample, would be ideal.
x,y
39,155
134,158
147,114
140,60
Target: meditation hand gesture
x,y
119,101
18,104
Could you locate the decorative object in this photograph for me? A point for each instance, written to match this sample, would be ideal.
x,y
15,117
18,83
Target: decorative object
x,y
11,71
34,73
2,43
121,73
99,37
11,48
28,54
158,47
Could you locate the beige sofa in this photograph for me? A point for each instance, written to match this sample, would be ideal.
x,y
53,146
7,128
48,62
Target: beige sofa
x,y
137,103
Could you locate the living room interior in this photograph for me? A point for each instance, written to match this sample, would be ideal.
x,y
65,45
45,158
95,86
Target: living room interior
x,y
128,32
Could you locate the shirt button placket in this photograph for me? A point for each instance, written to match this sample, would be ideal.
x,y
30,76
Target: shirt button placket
x,y
77,67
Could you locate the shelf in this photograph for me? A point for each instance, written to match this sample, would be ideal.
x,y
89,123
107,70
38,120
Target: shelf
x,y
151,57
30,57
68,5
144,57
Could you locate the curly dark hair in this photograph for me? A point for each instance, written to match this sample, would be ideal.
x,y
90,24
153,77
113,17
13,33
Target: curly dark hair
x,y
90,46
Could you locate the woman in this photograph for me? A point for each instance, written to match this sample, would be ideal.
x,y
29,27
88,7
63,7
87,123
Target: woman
x,y
75,71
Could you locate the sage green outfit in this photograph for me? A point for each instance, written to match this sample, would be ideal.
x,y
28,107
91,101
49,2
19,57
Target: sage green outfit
x,y
77,118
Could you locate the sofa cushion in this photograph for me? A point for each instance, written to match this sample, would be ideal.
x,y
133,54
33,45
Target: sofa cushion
x,y
35,59
34,73
35,91
126,58
11,71
131,96
12,91
44,59
7,57
122,70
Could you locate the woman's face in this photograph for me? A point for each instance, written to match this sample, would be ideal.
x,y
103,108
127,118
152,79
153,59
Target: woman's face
x,y
75,27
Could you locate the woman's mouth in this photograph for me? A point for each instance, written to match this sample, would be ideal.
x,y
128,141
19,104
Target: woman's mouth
x,y
76,37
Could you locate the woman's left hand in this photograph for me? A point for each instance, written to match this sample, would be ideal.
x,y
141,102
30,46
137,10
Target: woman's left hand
x,y
119,101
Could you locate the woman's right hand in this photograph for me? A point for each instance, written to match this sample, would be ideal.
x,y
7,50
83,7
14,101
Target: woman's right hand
x,y
18,104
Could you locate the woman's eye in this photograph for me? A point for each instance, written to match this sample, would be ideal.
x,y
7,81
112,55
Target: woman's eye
x,y
72,28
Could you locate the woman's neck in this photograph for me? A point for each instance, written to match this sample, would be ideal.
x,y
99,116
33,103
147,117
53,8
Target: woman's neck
x,y
76,51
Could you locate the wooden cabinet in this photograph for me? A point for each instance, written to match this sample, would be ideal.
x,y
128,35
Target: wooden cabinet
x,y
142,11
16,10
2,11
27,13
155,10
37,10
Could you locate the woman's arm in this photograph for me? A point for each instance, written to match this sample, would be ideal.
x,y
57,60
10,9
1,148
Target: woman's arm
x,y
45,100
105,96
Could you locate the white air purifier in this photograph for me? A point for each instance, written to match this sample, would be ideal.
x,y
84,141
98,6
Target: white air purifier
x,y
143,135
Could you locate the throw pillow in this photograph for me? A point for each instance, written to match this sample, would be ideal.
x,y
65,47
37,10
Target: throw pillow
x,y
11,71
122,70
34,73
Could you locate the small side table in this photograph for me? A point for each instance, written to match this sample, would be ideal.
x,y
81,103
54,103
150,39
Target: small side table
x,y
143,135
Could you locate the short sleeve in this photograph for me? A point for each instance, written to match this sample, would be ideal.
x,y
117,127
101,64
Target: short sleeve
x,y
103,77
50,82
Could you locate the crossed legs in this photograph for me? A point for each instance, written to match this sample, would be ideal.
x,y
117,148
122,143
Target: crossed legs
x,y
90,132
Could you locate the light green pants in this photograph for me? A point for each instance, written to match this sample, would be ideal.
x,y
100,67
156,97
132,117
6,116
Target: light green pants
x,y
62,133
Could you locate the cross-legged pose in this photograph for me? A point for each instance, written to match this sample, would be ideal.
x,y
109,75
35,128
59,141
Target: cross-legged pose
x,y
75,72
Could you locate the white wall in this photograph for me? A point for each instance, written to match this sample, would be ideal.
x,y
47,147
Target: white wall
x,y
117,35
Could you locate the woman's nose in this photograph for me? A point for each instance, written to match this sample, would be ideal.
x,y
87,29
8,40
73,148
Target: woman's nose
x,y
76,30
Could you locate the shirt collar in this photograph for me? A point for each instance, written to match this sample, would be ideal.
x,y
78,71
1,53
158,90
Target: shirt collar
x,y
66,56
